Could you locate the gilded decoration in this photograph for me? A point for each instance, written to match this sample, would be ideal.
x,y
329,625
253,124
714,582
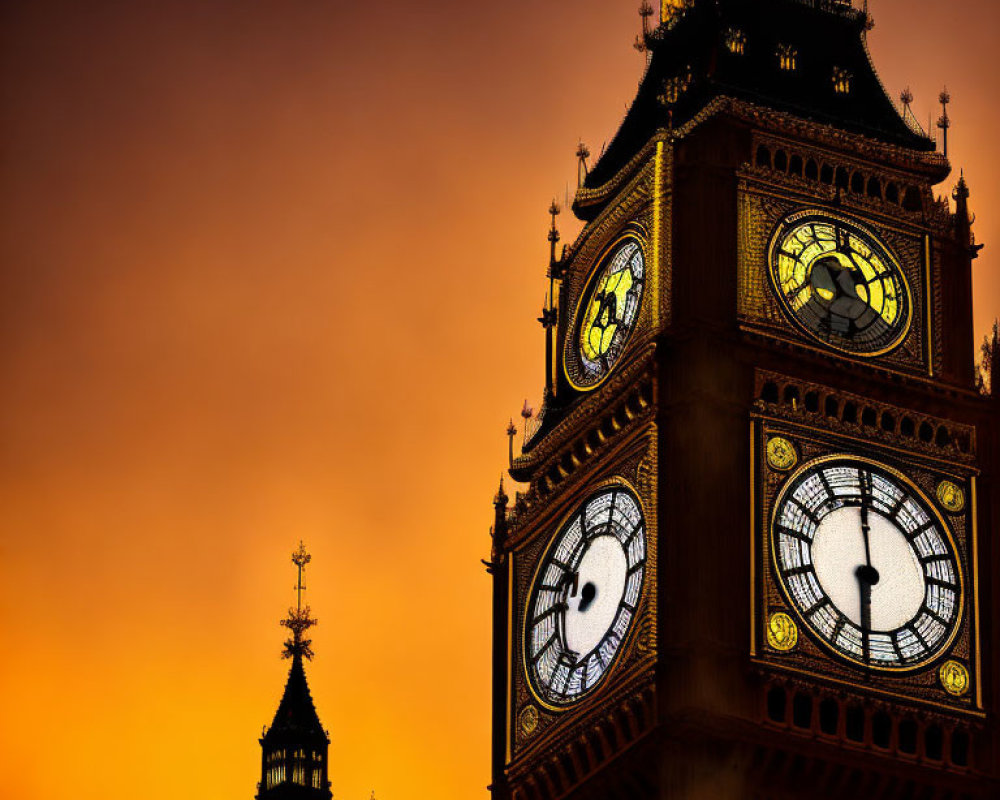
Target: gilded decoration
x,y
820,434
528,720
781,453
954,678
951,496
629,461
587,198
782,632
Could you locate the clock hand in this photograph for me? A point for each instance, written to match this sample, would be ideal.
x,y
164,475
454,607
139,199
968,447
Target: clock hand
x,y
867,574
865,527
865,588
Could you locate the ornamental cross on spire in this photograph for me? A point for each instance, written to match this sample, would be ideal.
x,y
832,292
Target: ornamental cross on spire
x,y
299,619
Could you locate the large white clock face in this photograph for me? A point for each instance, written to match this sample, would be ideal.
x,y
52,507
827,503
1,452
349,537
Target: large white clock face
x,y
870,567
585,597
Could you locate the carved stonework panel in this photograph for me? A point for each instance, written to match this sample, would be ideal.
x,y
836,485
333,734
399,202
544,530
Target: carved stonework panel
x,y
864,419
808,169
865,565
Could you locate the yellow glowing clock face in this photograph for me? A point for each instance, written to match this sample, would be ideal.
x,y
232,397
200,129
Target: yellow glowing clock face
x,y
839,283
609,310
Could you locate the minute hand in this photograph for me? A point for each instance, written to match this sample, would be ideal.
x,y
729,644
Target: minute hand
x,y
867,575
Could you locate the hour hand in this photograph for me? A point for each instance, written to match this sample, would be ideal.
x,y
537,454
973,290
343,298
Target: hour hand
x,y
867,577
570,585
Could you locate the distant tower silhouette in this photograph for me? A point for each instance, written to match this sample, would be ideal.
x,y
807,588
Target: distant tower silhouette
x,y
294,748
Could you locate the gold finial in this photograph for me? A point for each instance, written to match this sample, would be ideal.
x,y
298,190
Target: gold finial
x,y
299,619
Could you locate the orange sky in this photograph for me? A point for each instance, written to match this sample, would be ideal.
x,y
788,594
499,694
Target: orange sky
x,y
270,271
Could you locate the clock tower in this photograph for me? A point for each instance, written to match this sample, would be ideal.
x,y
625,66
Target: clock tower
x,y
755,553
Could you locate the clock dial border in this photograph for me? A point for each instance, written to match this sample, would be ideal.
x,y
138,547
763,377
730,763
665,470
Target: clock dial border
x,y
572,366
791,221
635,624
912,489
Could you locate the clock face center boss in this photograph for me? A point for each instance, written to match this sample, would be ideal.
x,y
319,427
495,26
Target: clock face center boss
x,y
585,596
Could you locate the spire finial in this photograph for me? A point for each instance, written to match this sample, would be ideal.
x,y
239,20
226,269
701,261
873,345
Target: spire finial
x,y
300,558
553,230
500,498
511,433
961,191
299,619
582,154
944,122
641,43
527,412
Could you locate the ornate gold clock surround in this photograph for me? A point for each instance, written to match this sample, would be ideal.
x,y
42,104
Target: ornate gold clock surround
x,y
814,436
767,196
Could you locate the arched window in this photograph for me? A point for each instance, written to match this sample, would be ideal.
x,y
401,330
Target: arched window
x,y
299,768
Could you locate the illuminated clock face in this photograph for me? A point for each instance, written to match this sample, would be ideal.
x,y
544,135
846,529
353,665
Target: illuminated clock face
x,y
609,310
870,567
585,597
839,283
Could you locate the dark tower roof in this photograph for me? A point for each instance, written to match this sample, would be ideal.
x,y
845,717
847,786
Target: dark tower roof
x,y
692,64
296,720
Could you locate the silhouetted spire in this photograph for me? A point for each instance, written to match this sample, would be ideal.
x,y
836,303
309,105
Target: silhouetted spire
x,y
296,719
294,748
499,531
964,218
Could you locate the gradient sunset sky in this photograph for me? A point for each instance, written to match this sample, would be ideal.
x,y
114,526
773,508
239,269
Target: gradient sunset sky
x,y
271,272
